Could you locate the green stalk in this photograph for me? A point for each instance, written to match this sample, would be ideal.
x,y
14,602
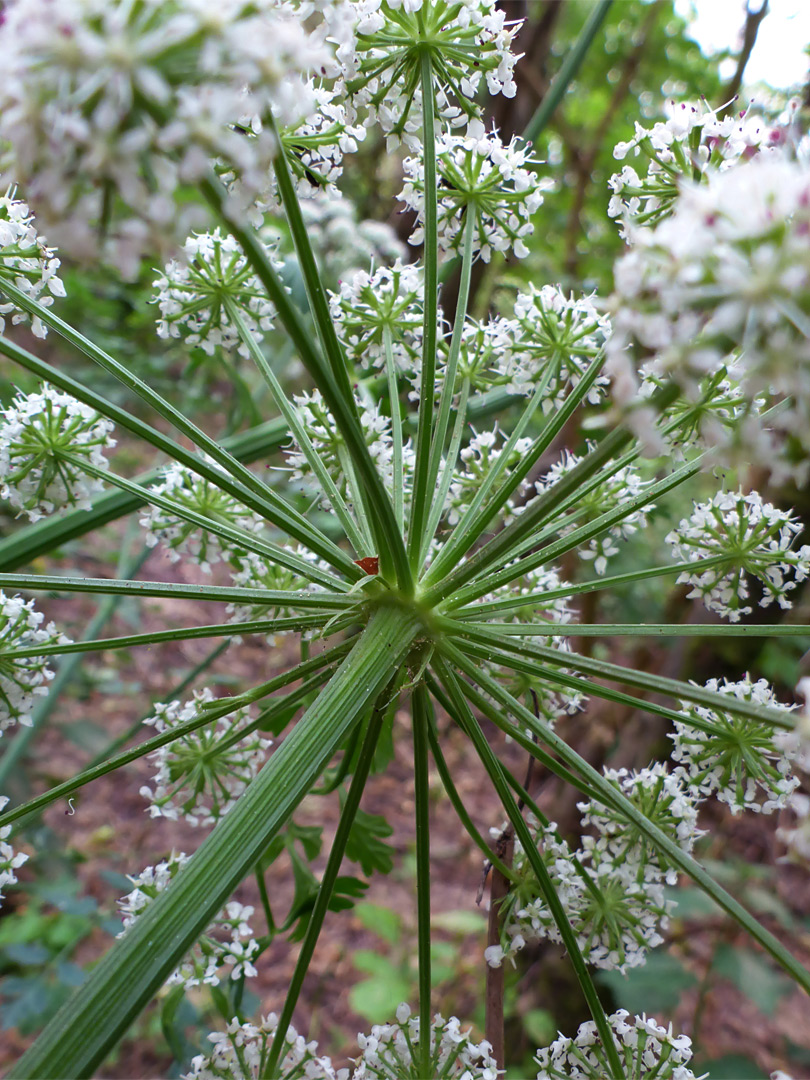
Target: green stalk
x,y
327,886
360,508
673,630
76,1041
181,633
481,610
422,716
567,72
496,773
502,548
396,428
427,382
316,293
25,544
440,495
541,507
331,376
482,586
259,495
170,695
222,593
654,684
449,386
515,734
243,538
610,797
290,415
205,715
65,672
470,519
588,687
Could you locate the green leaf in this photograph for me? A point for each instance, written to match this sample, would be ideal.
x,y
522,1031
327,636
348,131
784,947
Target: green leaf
x,y
540,1026
377,999
168,1014
753,975
460,922
364,845
381,920
310,837
373,963
656,986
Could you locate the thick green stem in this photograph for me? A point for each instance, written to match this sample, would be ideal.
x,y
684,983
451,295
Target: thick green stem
x,y
202,719
87,1027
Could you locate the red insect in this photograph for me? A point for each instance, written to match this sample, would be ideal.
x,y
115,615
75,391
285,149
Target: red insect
x,y
371,564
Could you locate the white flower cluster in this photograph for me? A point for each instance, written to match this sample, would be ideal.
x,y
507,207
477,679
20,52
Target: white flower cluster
x,y
645,1048
550,697
23,678
207,960
615,904
716,411
187,539
755,540
198,294
742,761
314,145
41,435
327,440
257,572
26,261
370,307
477,460
391,1051
728,270
240,1053
106,105
10,860
201,775
564,332
481,176
624,485
664,799
691,143
381,58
